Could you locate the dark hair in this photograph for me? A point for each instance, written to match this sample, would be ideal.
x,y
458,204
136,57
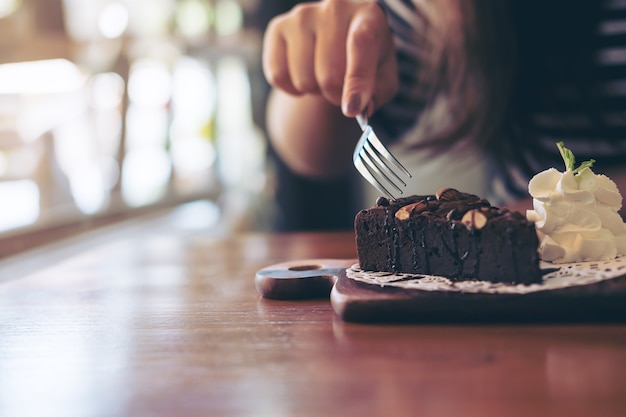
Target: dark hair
x,y
495,60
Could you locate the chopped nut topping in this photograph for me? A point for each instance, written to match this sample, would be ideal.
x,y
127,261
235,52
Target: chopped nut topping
x,y
405,211
474,219
448,194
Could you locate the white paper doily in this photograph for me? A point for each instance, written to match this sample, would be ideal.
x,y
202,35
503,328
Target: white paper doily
x,y
567,275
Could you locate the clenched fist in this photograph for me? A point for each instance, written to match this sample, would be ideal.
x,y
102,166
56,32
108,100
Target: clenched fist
x,y
341,50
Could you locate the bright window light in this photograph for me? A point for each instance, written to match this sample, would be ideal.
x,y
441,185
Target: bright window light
x,y
194,93
192,154
88,188
7,7
74,145
146,126
113,20
4,163
19,204
228,17
240,145
196,215
81,19
150,83
193,17
107,90
40,77
150,17
145,175
234,95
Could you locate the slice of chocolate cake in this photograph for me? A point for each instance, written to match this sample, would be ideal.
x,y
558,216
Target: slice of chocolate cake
x,y
452,234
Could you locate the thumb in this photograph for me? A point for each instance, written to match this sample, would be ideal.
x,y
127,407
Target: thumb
x,y
367,46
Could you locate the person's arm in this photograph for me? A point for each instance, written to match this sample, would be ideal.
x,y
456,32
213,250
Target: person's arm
x,y
327,62
311,135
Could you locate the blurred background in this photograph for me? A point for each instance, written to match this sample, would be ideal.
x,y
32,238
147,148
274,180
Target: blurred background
x,y
110,108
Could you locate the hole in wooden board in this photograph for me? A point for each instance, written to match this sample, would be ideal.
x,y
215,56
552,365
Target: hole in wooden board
x,y
305,268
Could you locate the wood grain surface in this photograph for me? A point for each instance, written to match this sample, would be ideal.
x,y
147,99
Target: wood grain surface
x,y
148,322
601,302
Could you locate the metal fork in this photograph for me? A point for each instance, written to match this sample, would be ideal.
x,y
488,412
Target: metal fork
x,y
376,164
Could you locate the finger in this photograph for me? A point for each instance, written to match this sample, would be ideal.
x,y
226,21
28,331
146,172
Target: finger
x,y
367,48
300,59
387,81
275,62
330,62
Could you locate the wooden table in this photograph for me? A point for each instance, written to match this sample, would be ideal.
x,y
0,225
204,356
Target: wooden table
x,y
144,321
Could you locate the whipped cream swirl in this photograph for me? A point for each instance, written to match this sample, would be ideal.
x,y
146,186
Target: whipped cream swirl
x,y
576,216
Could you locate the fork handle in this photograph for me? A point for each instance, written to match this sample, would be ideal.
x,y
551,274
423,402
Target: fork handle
x,y
362,120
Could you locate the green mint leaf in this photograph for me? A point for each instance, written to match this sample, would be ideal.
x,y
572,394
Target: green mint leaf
x,y
570,159
567,155
586,164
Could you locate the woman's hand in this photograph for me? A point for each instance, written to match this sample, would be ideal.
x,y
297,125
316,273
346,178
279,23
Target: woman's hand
x,y
339,49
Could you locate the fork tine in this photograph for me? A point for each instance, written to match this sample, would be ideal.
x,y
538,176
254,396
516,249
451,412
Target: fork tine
x,y
375,156
360,166
376,170
375,162
377,144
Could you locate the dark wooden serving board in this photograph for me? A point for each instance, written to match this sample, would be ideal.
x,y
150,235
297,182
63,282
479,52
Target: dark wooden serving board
x,y
355,301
